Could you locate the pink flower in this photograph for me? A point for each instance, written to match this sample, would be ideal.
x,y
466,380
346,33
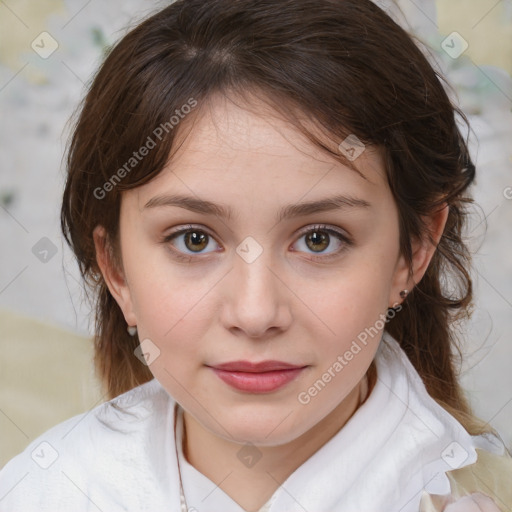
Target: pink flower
x,y
473,503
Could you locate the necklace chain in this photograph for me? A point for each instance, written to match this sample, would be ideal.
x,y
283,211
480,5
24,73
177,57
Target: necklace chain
x,y
183,501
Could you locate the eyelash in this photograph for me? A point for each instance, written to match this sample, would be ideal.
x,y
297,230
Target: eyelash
x,y
347,242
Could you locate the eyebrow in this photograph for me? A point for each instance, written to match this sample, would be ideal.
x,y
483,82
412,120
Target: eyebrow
x,y
287,212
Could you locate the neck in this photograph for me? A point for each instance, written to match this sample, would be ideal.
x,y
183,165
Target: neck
x,y
252,487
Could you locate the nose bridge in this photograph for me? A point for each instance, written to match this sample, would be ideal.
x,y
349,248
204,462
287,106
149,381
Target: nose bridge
x,y
257,299
252,270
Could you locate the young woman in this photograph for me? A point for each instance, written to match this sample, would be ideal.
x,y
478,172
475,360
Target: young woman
x,y
267,200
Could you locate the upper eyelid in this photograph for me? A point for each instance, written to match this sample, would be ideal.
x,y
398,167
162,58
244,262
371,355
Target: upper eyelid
x,y
309,227
301,232
326,227
186,228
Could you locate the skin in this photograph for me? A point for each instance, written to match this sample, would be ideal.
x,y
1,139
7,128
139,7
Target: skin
x,y
215,307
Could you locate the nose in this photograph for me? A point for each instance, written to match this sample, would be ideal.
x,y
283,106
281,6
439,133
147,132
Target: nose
x,y
257,301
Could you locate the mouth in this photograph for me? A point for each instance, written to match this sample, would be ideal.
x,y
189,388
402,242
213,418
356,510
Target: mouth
x,y
261,377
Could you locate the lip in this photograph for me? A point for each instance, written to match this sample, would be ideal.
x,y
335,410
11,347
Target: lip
x,y
250,367
262,377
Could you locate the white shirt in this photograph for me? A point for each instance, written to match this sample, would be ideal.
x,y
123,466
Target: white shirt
x,y
122,456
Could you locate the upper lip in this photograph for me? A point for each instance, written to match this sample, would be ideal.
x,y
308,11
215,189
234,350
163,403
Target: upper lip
x,y
262,366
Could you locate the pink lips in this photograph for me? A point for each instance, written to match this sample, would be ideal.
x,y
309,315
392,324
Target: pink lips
x,y
261,377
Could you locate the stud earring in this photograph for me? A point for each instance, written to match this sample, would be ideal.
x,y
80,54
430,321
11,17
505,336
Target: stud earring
x,y
404,293
132,330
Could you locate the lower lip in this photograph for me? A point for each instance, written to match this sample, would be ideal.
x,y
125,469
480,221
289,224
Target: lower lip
x,y
258,382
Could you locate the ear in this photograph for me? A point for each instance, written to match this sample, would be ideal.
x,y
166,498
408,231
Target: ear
x,y
422,252
113,275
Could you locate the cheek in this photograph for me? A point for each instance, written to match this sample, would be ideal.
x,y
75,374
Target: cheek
x,y
352,307
353,318
352,297
174,315
171,309
164,294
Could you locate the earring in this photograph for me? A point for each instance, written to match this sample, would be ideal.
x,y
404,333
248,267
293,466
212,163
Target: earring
x,y
404,293
132,330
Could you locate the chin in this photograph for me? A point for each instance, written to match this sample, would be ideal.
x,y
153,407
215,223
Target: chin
x,y
266,431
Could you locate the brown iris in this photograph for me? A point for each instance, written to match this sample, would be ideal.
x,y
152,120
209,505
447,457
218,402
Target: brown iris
x,y
196,241
319,240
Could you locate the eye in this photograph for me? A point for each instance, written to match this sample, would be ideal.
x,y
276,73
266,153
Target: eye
x,y
321,241
191,240
318,239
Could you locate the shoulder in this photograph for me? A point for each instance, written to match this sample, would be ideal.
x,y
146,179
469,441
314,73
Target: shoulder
x,y
97,456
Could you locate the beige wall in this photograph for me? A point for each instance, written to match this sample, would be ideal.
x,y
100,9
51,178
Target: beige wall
x,y
46,376
485,24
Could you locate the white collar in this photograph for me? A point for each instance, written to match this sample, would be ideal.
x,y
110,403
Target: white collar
x,y
398,443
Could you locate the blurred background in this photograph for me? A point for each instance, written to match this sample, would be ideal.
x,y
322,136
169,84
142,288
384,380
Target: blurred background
x,y
49,50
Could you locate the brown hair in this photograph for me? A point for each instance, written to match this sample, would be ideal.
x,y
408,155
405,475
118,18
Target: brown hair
x,y
341,63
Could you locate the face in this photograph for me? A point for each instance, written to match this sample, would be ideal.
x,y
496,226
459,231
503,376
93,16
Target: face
x,y
261,277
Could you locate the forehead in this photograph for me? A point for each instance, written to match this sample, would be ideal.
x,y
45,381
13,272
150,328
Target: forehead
x,y
228,148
